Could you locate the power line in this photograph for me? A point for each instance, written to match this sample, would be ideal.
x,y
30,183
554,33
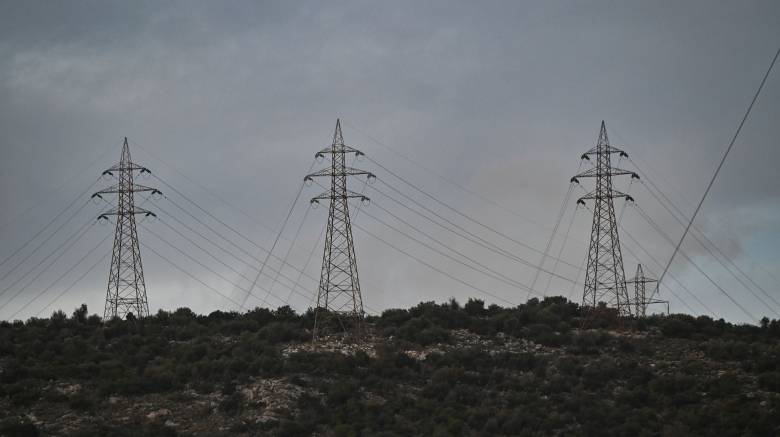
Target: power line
x,y
690,260
78,235
195,260
717,170
204,188
58,188
562,210
189,240
466,216
648,254
448,180
45,240
61,277
560,251
493,247
54,219
432,267
164,258
276,240
290,248
469,236
490,272
56,298
232,229
716,258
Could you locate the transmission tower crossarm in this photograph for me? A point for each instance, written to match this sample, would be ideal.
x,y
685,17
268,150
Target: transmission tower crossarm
x,y
134,210
345,149
117,188
612,171
615,194
346,171
349,194
125,167
607,149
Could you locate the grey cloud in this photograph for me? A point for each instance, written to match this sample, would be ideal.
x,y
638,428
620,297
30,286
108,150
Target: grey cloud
x,y
502,96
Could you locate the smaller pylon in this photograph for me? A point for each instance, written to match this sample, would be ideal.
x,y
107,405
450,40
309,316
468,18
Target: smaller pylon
x,y
641,302
126,291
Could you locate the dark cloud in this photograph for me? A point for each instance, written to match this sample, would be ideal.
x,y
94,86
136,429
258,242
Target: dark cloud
x,y
501,96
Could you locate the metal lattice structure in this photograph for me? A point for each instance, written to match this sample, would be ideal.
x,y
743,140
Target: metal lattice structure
x,y
339,295
126,292
605,279
641,301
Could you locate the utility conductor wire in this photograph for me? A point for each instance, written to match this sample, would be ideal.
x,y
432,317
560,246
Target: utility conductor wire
x,y
70,287
231,254
495,247
682,216
188,273
276,240
487,270
193,259
715,257
446,179
306,265
45,240
210,253
625,232
432,267
212,271
469,236
73,202
319,239
658,190
200,263
210,241
674,278
550,240
61,277
440,202
59,188
577,278
625,203
677,296
289,249
495,274
717,170
244,237
523,286
77,235
560,251
688,258
202,187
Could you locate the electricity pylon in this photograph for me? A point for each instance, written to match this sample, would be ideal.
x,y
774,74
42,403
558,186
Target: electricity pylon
x,y
126,292
339,290
605,279
641,302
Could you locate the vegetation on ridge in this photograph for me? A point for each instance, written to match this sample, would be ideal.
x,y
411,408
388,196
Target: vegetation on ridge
x,y
434,369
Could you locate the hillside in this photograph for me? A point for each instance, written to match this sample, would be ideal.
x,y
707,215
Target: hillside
x,y
435,369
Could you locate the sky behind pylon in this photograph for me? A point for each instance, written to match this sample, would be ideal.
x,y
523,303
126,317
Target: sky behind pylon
x,y
501,97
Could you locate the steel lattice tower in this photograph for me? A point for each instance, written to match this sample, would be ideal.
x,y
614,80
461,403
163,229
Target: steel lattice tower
x,y
126,292
339,290
605,279
641,302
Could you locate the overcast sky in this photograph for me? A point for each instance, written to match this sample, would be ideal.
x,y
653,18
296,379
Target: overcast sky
x,y
227,102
